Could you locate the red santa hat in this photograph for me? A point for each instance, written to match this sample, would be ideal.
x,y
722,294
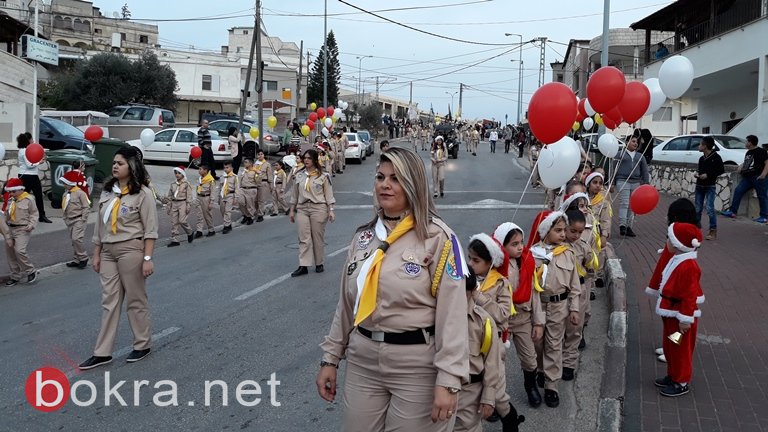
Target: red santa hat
x,y
684,236
499,257
71,178
181,170
14,184
542,223
592,176
569,199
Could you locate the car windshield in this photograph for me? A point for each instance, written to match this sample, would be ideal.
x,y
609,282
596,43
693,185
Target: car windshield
x,y
364,135
351,137
65,128
731,143
115,112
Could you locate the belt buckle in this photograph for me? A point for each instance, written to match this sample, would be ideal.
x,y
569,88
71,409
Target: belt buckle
x,y
377,336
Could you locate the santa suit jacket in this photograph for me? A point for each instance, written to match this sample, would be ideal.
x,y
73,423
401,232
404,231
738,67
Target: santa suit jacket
x,y
680,292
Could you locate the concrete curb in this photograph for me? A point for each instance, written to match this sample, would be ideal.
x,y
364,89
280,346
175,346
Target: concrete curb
x,y
613,386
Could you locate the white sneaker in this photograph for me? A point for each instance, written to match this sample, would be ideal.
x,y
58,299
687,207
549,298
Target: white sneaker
x,y
662,358
659,351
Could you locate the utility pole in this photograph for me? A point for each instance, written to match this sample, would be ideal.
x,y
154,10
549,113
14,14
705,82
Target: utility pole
x,y
410,97
461,96
325,56
542,59
35,116
377,89
247,90
298,80
260,75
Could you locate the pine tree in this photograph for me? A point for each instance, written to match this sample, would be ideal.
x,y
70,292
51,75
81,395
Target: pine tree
x,y
125,12
315,85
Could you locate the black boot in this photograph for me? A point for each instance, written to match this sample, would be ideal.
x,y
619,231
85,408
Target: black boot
x,y
540,379
302,270
534,397
551,398
512,421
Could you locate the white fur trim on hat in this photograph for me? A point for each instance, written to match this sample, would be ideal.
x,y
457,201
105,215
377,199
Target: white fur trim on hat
x,y
502,230
592,176
678,244
12,188
546,224
564,206
180,171
497,254
67,182
440,137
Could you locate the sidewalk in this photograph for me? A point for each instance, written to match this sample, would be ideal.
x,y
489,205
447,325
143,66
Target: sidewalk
x,y
729,391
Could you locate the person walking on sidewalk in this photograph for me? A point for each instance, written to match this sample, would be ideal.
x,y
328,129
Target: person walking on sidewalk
x,y
710,167
753,172
124,241
438,158
21,218
76,206
631,172
28,173
493,137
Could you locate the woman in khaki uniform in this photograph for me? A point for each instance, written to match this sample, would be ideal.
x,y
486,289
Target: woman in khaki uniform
x,y
279,182
311,209
401,320
124,240
20,220
264,193
438,158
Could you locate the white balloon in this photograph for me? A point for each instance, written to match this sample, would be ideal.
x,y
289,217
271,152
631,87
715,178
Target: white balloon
x,y
562,165
608,145
325,132
328,122
2,151
657,96
147,137
588,123
675,76
588,108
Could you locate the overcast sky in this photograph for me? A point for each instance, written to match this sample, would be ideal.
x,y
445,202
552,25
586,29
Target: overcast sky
x,y
401,55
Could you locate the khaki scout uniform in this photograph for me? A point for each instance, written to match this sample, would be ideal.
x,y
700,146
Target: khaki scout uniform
x,y
249,182
343,145
439,157
559,297
122,258
76,207
484,372
179,202
279,181
229,185
205,193
582,254
497,302
264,193
603,220
312,199
527,315
591,237
390,386
338,154
19,228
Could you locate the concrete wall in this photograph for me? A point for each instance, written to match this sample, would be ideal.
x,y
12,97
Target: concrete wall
x,y
675,127
717,108
15,98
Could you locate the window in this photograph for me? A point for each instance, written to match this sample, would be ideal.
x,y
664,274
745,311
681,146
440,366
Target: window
x,y
186,136
245,32
677,144
97,31
164,136
207,80
168,118
693,145
664,114
137,113
143,39
559,77
270,85
122,36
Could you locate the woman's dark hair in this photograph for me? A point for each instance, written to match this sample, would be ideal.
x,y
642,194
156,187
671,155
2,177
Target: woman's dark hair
x,y
480,250
137,173
315,159
471,280
575,216
510,234
22,141
232,131
574,206
682,210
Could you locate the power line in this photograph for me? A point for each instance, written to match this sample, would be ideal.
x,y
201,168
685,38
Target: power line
x,y
339,14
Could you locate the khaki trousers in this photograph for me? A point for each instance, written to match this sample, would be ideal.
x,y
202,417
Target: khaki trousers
x,y
225,206
502,398
311,220
278,201
206,213
520,329
549,349
467,417
179,218
18,260
248,204
122,279
573,333
263,195
390,387
338,161
438,177
77,234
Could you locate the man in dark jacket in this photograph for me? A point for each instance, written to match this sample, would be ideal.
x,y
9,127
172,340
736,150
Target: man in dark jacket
x,y
205,143
753,172
710,167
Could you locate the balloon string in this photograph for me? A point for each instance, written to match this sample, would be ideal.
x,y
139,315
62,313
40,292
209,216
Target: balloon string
x,y
525,189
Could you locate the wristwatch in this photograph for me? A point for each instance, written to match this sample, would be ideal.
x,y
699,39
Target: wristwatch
x,y
452,390
325,363
147,257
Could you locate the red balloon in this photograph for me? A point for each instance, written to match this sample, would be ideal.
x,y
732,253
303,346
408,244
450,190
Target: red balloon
x,y
34,153
321,112
610,123
313,116
605,88
582,109
552,111
635,102
644,199
93,133
195,152
331,109
311,123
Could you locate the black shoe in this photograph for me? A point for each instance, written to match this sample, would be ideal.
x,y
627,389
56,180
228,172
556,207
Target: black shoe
x,y
273,214
582,344
137,355
630,233
511,423
599,283
73,264
442,194
319,269
494,417
32,278
11,282
190,238
301,271
540,379
551,398
663,382
568,374
674,390
94,361
174,244
244,220
227,229
287,212
210,234
592,296
82,264
534,397
45,219
249,221
622,230
260,219
198,234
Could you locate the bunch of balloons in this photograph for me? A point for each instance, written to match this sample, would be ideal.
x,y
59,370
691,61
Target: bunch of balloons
x,y
325,116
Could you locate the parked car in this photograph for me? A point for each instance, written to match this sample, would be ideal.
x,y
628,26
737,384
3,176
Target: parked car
x,y
56,134
356,149
366,137
173,145
81,119
684,149
271,140
137,114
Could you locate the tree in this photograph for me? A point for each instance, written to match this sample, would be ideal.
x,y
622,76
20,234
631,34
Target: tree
x,y
370,116
315,84
110,79
125,12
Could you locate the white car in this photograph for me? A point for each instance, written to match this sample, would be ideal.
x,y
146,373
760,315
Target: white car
x,y
685,149
356,148
174,144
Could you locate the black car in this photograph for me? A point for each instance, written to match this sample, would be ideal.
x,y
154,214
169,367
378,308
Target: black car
x,y
56,134
452,142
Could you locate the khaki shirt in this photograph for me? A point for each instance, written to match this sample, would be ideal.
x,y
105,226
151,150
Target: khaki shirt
x,y
207,189
496,301
405,300
250,179
582,253
533,305
602,214
265,170
279,180
441,159
4,230
136,218
26,214
320,189
78,206
231,182
181,192
489,364
562,276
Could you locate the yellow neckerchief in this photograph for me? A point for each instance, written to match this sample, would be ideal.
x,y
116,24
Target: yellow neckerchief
x,y
258,164
310,174
599,198
439,154
12,210
491,278
225,187
322,159
487,337
178,187
204,180
540,271
370,289
114,206
65,201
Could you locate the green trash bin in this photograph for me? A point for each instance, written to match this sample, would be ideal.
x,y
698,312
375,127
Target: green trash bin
x,y
104,150
61,161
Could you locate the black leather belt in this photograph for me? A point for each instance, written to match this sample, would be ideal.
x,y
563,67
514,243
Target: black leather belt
x,y
179,200
413,337
265,180
555,298
204,195
473,379
250,187
16,226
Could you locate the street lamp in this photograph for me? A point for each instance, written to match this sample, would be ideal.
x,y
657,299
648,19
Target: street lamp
x,y
359,76
520,76
452,95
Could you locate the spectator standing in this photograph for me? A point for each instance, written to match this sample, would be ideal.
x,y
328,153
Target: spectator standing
x,y
710,167
631,172
661,50
493,137
204,141
28,174
753,176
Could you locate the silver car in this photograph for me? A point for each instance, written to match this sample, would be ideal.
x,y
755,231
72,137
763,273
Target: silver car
x,y
134,114
366,137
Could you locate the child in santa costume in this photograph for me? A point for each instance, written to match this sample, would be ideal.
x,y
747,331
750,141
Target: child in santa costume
x,y
678,297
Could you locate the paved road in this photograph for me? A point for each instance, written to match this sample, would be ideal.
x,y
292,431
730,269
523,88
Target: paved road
x,y
225,309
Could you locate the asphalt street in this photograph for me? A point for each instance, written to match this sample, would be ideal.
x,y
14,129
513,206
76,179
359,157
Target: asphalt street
x,y
224,308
